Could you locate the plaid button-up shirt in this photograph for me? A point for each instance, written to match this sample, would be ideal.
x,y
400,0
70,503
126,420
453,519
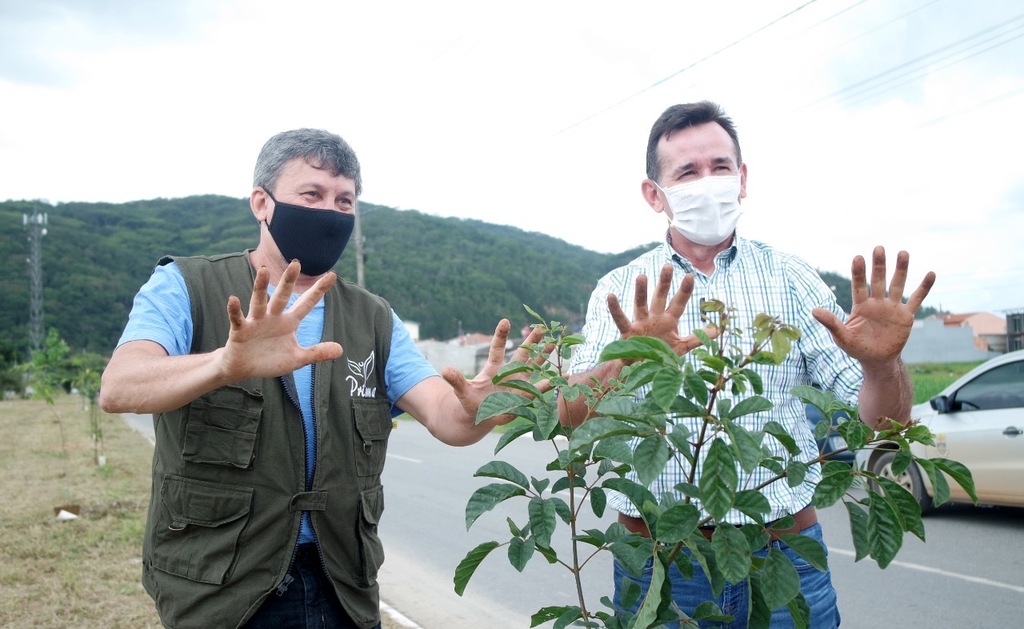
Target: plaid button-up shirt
x,y
752,278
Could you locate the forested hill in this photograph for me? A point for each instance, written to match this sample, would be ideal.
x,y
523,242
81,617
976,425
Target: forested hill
x,y
439,272
435,271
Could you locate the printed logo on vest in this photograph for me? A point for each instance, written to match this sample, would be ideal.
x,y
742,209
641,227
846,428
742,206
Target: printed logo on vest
x,y
359,373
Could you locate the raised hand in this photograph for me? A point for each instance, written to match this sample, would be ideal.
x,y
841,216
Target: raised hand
x,y
661,318
263,344
471,393
879,324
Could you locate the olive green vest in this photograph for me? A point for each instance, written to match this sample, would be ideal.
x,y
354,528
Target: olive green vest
x,y
229,469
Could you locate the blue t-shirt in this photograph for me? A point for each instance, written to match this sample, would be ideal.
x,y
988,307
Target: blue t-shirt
x,y
162,313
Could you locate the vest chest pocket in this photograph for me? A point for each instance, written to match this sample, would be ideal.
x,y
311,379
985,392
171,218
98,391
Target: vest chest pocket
x,y
373,425
222,427
198,527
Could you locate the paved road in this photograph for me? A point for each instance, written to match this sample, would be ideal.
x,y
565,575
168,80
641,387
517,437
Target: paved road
x,y
970,573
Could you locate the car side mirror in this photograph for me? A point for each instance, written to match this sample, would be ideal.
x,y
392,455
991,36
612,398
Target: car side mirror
x,y
940,403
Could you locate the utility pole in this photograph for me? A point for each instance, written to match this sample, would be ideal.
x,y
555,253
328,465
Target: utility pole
x,y
359,251
36,226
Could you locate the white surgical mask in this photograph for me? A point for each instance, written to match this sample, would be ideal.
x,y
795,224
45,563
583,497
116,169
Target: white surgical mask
x,y
706,210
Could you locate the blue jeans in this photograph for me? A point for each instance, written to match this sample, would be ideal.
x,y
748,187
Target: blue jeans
x,y
309,602
735,598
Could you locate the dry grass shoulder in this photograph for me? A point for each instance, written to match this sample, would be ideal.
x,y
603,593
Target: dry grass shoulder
x,y
75,573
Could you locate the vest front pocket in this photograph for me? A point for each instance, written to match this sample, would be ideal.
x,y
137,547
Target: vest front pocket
x,y
198,527
371,550
373,425
222,427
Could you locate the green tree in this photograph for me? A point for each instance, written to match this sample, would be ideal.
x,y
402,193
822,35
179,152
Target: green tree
x,y
625,431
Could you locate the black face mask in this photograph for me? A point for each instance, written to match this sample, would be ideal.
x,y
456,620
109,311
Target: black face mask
x,y
316,238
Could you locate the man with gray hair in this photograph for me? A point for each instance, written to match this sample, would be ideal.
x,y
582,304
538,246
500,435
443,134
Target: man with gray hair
x,y
269,451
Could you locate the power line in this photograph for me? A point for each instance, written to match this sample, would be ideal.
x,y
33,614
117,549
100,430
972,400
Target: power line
x,y
689,67
976,106
920,66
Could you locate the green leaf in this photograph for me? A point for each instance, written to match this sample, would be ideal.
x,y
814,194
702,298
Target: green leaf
x,y
800,612
807,547
648,612
520,552
488,497
637,348
513,430
633,557
959,473
885,531
858,529
527,387
748,447
542,520
677,523
906,506
500,403
567,617
539,485
732,553
754,404
665,387
776,430
503,471
597,429
834,486
547,614
780,346
598,500
594,537
920,434
753,504
940,486
548,424
650,457
855,433
636,493
796,472
464,571
814,396
684,407
695,387
718,480
780,582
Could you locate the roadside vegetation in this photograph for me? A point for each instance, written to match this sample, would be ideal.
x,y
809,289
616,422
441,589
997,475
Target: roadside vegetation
x,y
82,572
931,378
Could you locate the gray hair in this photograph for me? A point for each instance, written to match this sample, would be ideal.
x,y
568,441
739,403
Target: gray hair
x,y
319,148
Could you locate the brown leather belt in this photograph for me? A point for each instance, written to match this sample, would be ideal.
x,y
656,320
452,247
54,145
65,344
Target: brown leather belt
x,y
803,519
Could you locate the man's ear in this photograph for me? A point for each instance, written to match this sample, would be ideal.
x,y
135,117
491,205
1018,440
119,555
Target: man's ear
x,y
652,194
743,180
260,204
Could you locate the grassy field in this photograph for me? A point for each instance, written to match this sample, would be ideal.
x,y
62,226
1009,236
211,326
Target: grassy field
x,y
931,378
74,573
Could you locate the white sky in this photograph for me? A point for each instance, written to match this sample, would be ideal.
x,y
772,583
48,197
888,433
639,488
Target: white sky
x,y
862,122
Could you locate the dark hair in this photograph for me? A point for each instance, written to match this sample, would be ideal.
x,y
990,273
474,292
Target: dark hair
x,y
319,148
680,117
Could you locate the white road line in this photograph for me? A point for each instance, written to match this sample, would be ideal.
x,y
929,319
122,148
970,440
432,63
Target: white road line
x,y
404,458
945,573
397,616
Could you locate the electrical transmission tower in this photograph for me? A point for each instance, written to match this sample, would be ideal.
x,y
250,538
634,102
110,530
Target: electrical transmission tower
x,y
36,226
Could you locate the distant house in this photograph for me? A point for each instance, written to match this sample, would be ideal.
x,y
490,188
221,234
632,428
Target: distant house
x,y
988,330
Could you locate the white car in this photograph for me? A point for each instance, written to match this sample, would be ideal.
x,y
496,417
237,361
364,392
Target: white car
x,y
979,421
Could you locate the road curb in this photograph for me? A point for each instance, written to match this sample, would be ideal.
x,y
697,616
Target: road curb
x,y
398,617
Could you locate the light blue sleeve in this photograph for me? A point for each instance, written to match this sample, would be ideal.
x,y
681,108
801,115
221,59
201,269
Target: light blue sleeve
x,y
162,312
406,366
